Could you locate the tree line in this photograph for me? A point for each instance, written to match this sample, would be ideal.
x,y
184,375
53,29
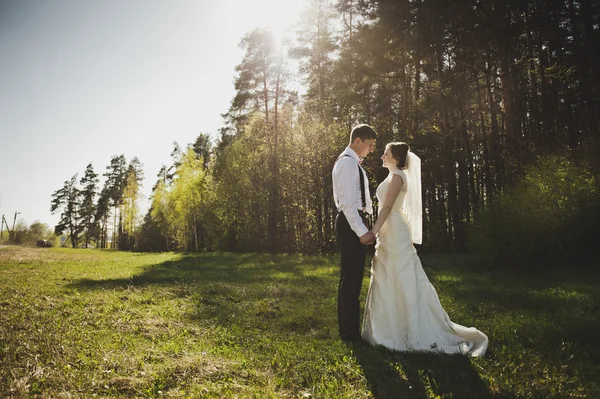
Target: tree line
x,y
88,213
481,90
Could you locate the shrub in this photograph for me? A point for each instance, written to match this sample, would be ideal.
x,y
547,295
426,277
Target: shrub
x,y
548,218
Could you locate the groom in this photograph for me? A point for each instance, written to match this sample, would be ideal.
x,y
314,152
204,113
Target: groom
x,y
353,201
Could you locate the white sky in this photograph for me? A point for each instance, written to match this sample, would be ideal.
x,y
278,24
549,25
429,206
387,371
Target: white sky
x,y
82,80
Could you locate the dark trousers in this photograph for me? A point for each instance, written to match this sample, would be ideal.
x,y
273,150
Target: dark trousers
x,y
352,256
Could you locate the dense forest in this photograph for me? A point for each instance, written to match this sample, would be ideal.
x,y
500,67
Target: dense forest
x,y
500,99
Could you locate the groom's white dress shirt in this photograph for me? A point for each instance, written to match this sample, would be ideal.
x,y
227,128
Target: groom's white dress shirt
x,y
346,190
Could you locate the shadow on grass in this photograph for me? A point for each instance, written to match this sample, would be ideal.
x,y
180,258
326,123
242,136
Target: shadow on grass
x,y
546,295
545,314
417,375
211,268
254,291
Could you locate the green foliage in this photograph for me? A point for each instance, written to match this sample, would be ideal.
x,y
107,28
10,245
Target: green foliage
x,y
305,156
182,207
28,235
550,216
150,237
38,231
241,188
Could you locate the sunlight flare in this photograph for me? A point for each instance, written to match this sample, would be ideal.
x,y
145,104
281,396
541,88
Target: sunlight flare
x,y
278,15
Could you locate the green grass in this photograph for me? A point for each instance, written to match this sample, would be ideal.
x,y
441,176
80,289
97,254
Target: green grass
x,y
90,323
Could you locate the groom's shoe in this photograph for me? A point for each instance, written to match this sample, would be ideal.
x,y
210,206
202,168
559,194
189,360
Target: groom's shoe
x,y
354,339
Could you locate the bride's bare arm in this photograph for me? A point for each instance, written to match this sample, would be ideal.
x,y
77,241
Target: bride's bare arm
x,y
390,198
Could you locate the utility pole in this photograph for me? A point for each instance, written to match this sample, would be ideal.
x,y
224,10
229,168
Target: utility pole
x,y
15,220
2,223
11,234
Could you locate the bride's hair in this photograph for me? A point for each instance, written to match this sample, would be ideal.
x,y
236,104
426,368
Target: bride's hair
x,y
399,152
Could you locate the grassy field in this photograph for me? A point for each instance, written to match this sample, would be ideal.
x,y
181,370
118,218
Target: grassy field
x,y
89,323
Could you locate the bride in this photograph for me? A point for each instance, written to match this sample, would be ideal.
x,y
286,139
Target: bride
x,y
403,311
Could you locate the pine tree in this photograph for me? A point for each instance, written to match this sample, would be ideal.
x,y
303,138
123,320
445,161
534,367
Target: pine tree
x,y
202,147
116,177
89,183
101,217
129,208
68,200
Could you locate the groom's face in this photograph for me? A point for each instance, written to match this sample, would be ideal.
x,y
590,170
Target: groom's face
x,y
365,147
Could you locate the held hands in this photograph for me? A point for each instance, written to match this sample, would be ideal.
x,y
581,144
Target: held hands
x,y
367,238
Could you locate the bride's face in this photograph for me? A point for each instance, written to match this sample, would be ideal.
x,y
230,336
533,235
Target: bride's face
x,y
387,158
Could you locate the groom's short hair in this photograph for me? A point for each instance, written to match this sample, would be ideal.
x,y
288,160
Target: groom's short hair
x,y
363,132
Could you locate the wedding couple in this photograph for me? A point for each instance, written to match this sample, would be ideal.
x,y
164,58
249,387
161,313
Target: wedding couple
x,y
402,310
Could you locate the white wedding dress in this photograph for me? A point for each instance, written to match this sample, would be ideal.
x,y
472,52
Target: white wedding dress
x,y
403,311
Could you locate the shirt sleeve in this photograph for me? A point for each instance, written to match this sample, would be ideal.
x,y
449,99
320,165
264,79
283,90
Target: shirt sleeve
x,y
347,197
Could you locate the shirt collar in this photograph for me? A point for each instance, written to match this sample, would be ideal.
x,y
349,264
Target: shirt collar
x,y
352,153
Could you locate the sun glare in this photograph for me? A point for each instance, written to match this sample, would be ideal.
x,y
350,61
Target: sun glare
x,y
278,15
